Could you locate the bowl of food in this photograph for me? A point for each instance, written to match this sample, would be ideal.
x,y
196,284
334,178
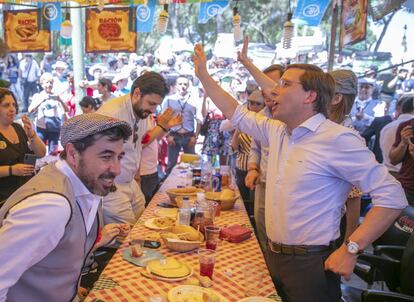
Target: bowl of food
x,y
182,238
187,191
227,198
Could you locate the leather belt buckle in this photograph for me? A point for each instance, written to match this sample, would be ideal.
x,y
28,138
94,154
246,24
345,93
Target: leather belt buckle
x,y
274,247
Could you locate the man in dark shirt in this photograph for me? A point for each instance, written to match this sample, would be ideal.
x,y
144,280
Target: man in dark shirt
x,y
403,152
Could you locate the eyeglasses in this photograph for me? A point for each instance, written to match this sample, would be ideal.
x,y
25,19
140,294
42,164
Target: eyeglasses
x,y
135,137
286,83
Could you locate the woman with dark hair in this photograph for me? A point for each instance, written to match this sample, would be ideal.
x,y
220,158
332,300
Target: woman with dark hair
x,y
15,142
346,87
104,89
12,70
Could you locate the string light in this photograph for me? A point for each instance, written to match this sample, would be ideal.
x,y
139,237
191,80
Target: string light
x,y
163,20
237,31
288,28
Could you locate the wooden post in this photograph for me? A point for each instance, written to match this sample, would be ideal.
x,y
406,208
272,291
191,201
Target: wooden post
x,y
334,23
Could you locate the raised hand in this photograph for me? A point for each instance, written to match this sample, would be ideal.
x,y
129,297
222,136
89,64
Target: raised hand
x,y
199,59
242,56
28,127
169,119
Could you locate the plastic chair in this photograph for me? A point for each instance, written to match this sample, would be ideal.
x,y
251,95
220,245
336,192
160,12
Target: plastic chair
x,y
397,274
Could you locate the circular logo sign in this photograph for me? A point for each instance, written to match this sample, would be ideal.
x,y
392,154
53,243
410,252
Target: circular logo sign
x,y
213,10
3,145
50,12
311,10
143,13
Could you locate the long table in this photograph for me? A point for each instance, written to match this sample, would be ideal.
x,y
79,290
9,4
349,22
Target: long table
x,y
122,281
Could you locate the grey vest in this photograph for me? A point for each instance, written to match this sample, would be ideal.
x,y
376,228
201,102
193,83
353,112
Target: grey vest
x,y
55,277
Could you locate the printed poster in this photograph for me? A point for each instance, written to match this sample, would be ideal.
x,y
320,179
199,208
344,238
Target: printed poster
x,y
22,32
110,30
353,21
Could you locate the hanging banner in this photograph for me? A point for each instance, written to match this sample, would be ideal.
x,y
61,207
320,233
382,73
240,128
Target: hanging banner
x,y
210,10
353,22
110,30
145,16
52,13
190,1
23,33
381,8
310,12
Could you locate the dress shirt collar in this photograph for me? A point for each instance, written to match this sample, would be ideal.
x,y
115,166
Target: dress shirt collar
x,y
311,124
78,186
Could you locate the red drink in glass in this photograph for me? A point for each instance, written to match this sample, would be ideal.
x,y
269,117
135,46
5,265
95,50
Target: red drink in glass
x,y
211,245
206,269
207,258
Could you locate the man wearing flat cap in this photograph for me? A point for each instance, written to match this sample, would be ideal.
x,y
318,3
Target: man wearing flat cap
x,y
51,225
366,108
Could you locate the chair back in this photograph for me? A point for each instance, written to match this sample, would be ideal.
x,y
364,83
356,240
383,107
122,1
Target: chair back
x,y
399,232
407,268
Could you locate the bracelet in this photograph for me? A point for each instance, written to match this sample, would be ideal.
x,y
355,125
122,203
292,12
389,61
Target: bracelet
x,y
163,128
253,169
10,170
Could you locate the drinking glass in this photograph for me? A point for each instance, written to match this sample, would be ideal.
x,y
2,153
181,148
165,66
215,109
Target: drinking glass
x,y
212,236
207,259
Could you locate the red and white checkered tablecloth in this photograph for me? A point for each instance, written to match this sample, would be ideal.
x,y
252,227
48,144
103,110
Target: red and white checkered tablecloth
x,y
132,286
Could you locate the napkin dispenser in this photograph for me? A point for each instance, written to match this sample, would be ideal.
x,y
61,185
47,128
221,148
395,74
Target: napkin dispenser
x,y
235,233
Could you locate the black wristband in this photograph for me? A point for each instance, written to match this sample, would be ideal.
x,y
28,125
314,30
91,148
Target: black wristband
x,y
163,129
10,171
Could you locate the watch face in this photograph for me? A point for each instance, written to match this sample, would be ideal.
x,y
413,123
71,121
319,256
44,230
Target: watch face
x,y
353,248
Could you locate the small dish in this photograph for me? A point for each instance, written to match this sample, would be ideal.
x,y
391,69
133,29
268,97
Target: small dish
x,y
151,223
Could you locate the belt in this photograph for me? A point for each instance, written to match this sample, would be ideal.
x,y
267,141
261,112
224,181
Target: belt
x,y
285,249
182,134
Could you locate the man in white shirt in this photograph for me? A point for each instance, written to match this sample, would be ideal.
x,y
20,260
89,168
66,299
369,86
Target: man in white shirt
x,y
50,226
127,203
184,136
405,105
29,73
365,108
313,164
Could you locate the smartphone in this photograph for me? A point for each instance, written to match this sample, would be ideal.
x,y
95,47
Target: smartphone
x,y
30,159
152,244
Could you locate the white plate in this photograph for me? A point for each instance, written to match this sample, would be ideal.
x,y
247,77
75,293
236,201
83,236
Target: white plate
x,y
256,299
167,212
144,259
191,293
171,279
150,224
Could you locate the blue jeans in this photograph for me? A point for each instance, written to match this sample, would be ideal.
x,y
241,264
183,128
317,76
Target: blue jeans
x,y
181,142
51,137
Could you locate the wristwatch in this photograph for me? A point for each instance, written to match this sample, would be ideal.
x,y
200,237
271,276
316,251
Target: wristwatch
x,y
353,247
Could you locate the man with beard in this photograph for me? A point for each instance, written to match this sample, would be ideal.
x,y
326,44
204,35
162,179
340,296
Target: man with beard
x,y
51,225
313,163
126,204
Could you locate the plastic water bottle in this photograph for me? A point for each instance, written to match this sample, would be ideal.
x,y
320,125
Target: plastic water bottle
x,y
206,173
184,213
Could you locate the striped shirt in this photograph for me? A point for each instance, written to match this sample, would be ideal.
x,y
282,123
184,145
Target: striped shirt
x,y
243,151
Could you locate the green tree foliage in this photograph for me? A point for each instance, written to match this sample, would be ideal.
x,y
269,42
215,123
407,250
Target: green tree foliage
x,y
262,20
